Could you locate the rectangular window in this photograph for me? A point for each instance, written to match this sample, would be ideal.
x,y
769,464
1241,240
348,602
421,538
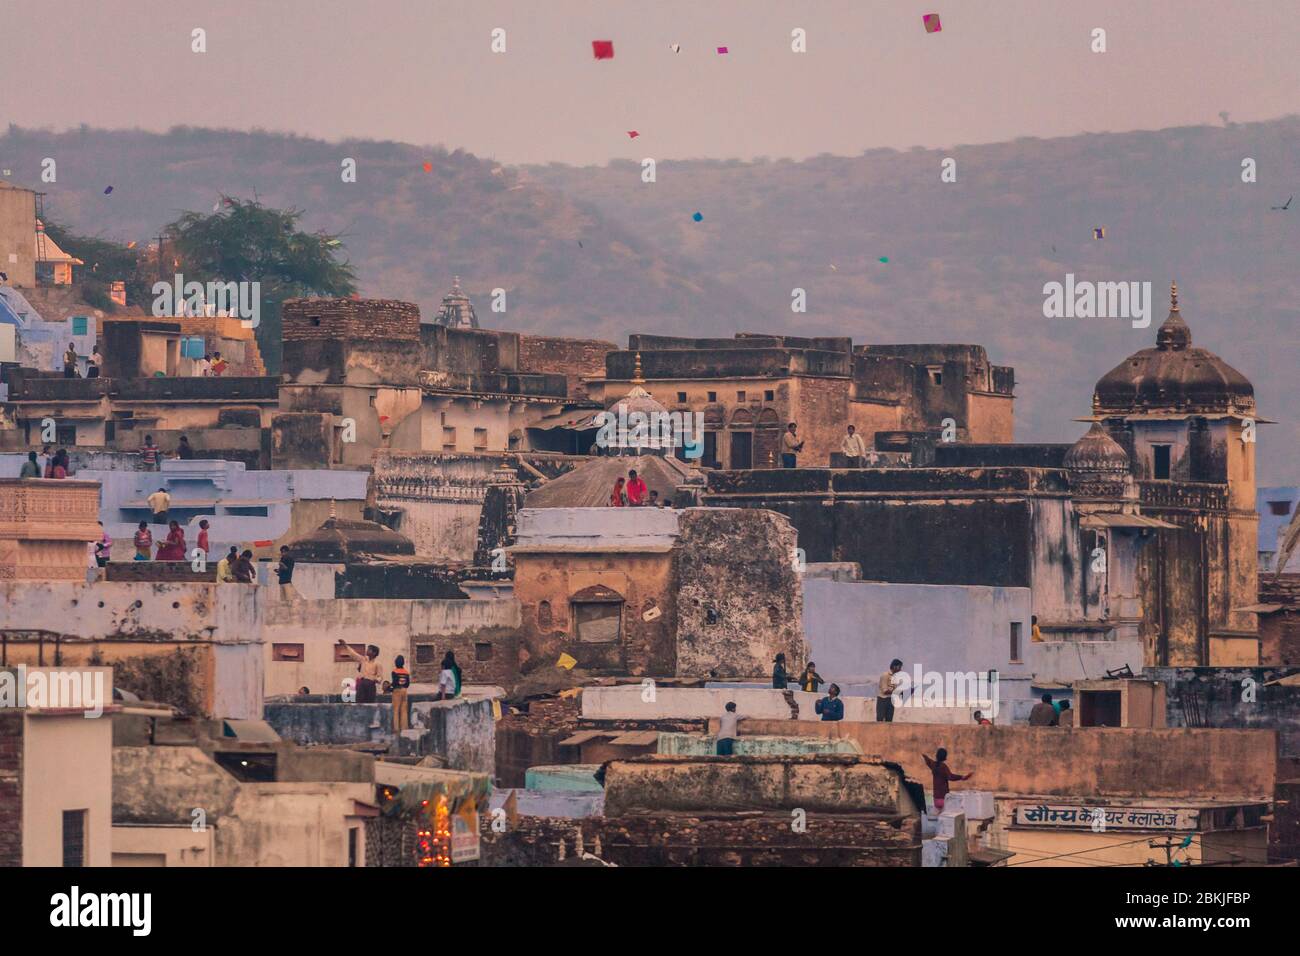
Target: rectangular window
x,y
353,843
740,396
769,395
1160,461
448,439
287,652
342,656
74,837
79,324
65,434
598,623
1279,507
713,396
1015,641
480,439
936,375
483,651
681,397
424,653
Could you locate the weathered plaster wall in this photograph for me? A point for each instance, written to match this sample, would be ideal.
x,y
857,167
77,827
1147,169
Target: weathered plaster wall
x,y
821,783
257,824
854,629
739,599
140,628
52,747
394,626
1076,762
463,731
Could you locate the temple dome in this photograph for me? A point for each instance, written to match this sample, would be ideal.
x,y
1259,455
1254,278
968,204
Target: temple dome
x,y
1098,465
342,540
1096,451
637,400
457,311
1174,376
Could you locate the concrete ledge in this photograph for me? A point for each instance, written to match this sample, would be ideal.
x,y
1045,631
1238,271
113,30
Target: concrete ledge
x,y
829,783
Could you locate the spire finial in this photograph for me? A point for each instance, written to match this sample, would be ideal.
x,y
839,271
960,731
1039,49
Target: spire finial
x,y
455,283
1173,296
637,375
333,513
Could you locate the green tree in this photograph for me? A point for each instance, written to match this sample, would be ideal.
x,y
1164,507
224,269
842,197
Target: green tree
x,y
106,262
244,241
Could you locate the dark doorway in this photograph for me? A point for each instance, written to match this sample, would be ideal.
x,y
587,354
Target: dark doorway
x,y
742,449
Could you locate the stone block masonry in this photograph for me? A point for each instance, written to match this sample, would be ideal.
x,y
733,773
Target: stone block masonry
x,y
709,839
11,788
350,320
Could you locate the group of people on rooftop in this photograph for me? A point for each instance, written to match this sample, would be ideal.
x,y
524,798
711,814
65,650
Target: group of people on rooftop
x,y
370,679
48,465
633,493
212,365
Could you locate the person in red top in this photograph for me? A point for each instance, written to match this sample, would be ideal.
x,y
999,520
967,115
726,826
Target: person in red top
x,y
219,365
942,776
173,549
636,489
616,497
59,465
203,536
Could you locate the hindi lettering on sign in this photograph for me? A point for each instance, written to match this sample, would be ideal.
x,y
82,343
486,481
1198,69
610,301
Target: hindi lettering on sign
x,y
1120,818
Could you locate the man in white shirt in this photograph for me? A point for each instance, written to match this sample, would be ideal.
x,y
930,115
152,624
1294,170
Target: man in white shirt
x,y
854,448
727,730
790,446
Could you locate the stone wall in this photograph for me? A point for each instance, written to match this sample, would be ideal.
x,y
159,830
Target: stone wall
x,y
688,839
1237,697
739,600
11,787
575,359
825,783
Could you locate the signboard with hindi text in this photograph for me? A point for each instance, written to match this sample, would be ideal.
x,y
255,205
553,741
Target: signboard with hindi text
x,y
1069,816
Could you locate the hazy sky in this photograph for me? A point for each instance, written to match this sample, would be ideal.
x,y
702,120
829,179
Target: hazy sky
x,y
422,71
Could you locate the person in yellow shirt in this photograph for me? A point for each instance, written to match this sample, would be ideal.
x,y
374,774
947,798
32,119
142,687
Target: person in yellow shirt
x,y
226,567
1035,634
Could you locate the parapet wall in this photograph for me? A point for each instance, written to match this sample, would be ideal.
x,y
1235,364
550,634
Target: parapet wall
x,y
1089,761
825,783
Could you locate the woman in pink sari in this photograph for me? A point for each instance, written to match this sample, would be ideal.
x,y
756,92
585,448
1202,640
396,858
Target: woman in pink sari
x,y
173,549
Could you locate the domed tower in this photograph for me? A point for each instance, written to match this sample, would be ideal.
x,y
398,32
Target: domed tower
x,y
637,424
1182,413
1186,419
457,311
1098,465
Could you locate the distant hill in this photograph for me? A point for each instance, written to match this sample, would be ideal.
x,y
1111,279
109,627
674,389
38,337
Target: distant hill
x,y
408,231
967,261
